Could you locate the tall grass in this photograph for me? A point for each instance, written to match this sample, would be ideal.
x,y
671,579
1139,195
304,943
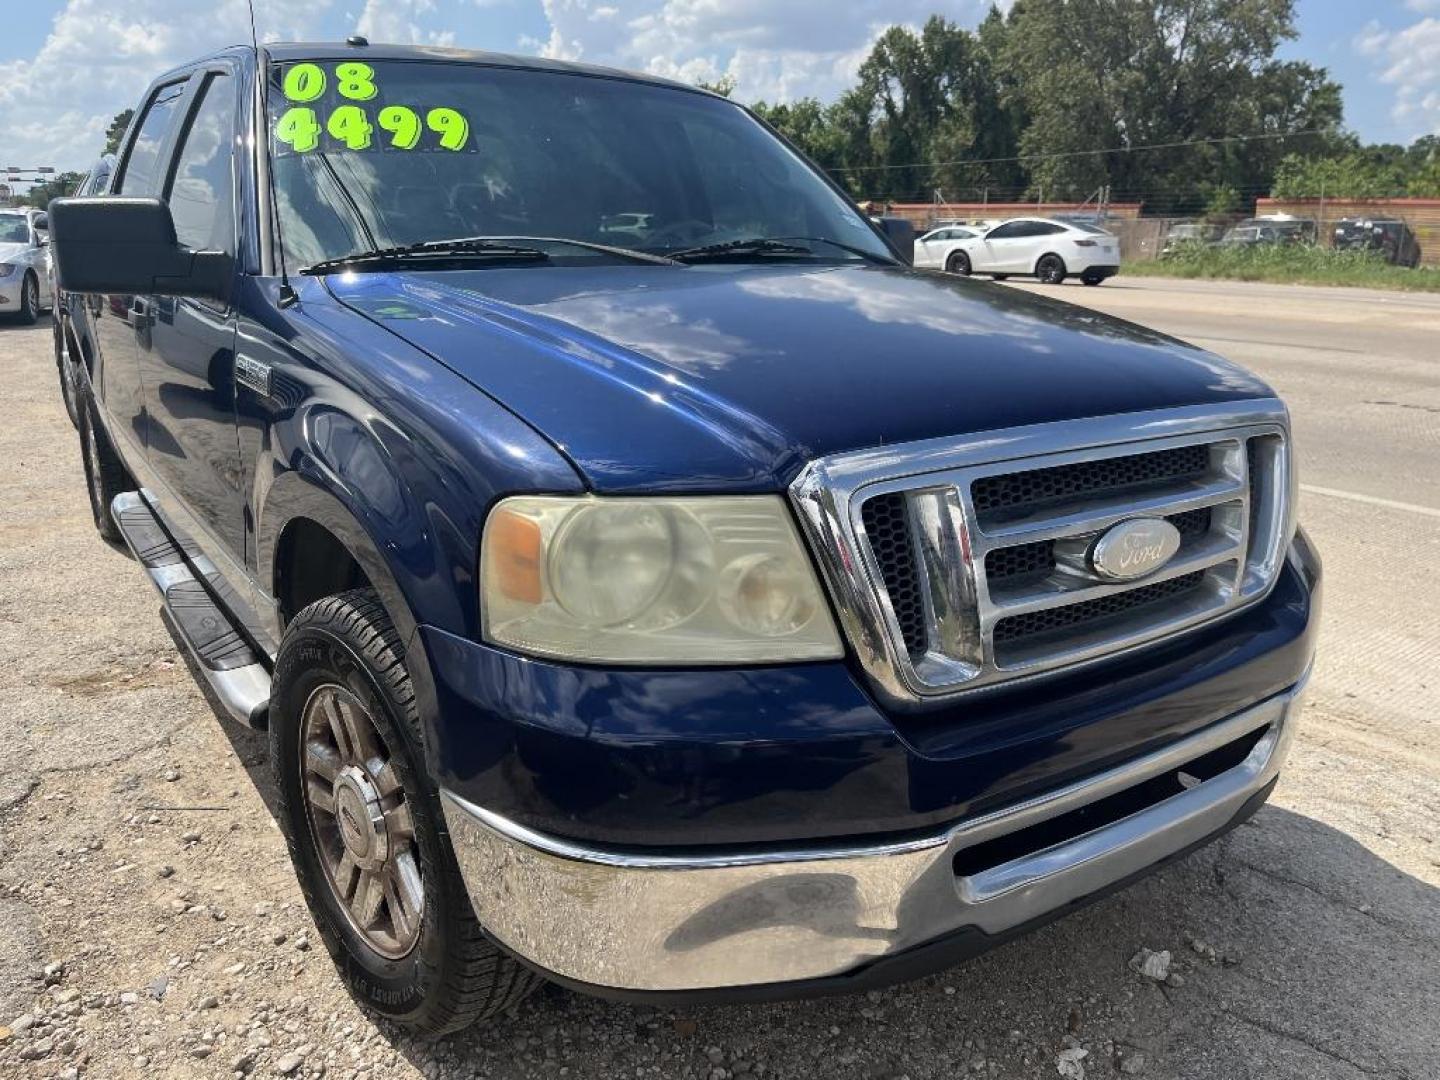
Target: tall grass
x,y
1288,264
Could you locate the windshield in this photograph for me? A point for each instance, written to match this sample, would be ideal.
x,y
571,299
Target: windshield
x,y
403,152
14,229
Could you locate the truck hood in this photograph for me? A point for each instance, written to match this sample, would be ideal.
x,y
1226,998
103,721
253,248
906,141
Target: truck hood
x,y
731,378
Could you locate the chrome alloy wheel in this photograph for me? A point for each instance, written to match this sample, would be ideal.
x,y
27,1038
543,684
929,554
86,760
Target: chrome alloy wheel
x,y
360,820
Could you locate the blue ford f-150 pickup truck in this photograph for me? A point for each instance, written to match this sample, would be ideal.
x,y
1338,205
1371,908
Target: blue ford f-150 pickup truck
x,y
713,607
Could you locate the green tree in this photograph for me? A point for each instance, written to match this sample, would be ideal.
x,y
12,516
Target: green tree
x,y
724,85
1103,74
60,184
810,126
116,131
1357,175
926,112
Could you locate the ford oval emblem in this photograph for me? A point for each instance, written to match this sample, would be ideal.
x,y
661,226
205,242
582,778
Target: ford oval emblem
x,y
1134,548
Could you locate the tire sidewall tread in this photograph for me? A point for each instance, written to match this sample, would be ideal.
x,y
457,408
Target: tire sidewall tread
x,y
454,975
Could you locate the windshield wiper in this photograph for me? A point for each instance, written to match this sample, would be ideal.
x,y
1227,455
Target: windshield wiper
x,y
766,246
589,245
431,250
738,249
519,248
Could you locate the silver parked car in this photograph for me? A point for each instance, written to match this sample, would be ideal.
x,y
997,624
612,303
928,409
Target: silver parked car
x,y
24,263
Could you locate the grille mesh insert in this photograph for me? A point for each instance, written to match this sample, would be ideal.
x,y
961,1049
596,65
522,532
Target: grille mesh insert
x,y
887,525
1020,561
1014,492
1016,628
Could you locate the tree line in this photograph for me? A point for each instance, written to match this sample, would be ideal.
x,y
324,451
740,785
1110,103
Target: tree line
x,y
1180,104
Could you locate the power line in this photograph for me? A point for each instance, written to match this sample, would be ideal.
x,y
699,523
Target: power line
x,y
1083,153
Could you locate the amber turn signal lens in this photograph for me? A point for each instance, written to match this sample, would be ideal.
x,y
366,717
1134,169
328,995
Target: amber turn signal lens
x,y
514,546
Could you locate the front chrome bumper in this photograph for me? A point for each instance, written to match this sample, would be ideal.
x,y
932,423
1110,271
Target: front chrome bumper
x,y
679,922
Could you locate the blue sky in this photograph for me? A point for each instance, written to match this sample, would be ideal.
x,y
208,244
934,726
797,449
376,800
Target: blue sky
x,y
66,66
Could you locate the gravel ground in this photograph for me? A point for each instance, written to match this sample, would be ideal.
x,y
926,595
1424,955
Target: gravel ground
x,y
150,924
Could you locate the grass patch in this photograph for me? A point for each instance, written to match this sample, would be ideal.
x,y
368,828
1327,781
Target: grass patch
x,y
1289,265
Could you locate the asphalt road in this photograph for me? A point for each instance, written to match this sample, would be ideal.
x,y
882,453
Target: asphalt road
x,y
137,850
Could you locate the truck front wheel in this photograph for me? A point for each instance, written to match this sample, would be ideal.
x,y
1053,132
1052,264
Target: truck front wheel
x,y
365,828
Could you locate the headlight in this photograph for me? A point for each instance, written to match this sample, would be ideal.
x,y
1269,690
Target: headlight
x,y
706,580
6,270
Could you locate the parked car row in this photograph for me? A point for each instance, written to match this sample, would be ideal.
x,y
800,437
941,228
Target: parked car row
x,y
1046,248
1391,237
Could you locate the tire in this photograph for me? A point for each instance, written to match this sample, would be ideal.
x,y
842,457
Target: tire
x,y
417,955
1050,270
1092,279
958,263
69,391
30,300
105,474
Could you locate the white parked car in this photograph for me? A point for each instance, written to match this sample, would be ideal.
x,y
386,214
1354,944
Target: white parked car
x,y
24,263
1038,247
935,246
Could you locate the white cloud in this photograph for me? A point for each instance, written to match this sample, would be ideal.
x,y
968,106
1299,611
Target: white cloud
x,y
776,51
1409,60
398,22
100,55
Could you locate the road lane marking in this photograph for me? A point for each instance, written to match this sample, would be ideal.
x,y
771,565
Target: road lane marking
x,y
1372,500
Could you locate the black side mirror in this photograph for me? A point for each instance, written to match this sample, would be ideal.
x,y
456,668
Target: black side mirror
x,y
901,235
128,246
41,228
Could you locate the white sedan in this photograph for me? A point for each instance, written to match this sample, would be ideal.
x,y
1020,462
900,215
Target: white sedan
x,y
24,263
1037,247
932,249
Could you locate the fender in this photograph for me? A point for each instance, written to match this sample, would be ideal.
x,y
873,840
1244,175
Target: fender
x,y
405,489
298,495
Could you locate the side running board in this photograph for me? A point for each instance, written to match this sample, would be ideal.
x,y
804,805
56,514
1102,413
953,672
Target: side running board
x,y
228,662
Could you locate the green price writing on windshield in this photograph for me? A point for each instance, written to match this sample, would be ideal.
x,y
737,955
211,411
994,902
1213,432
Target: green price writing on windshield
x,y
299,128
349,126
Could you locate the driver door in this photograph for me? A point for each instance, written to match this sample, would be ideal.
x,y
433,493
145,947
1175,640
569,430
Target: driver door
x,y
187,352
931,250
1002,249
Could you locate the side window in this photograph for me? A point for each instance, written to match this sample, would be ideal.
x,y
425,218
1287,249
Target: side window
x,y
140,173
201,195
1008,231
1050,230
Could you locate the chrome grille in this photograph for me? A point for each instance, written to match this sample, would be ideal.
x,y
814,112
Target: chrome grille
x,y
964,563
1021,491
